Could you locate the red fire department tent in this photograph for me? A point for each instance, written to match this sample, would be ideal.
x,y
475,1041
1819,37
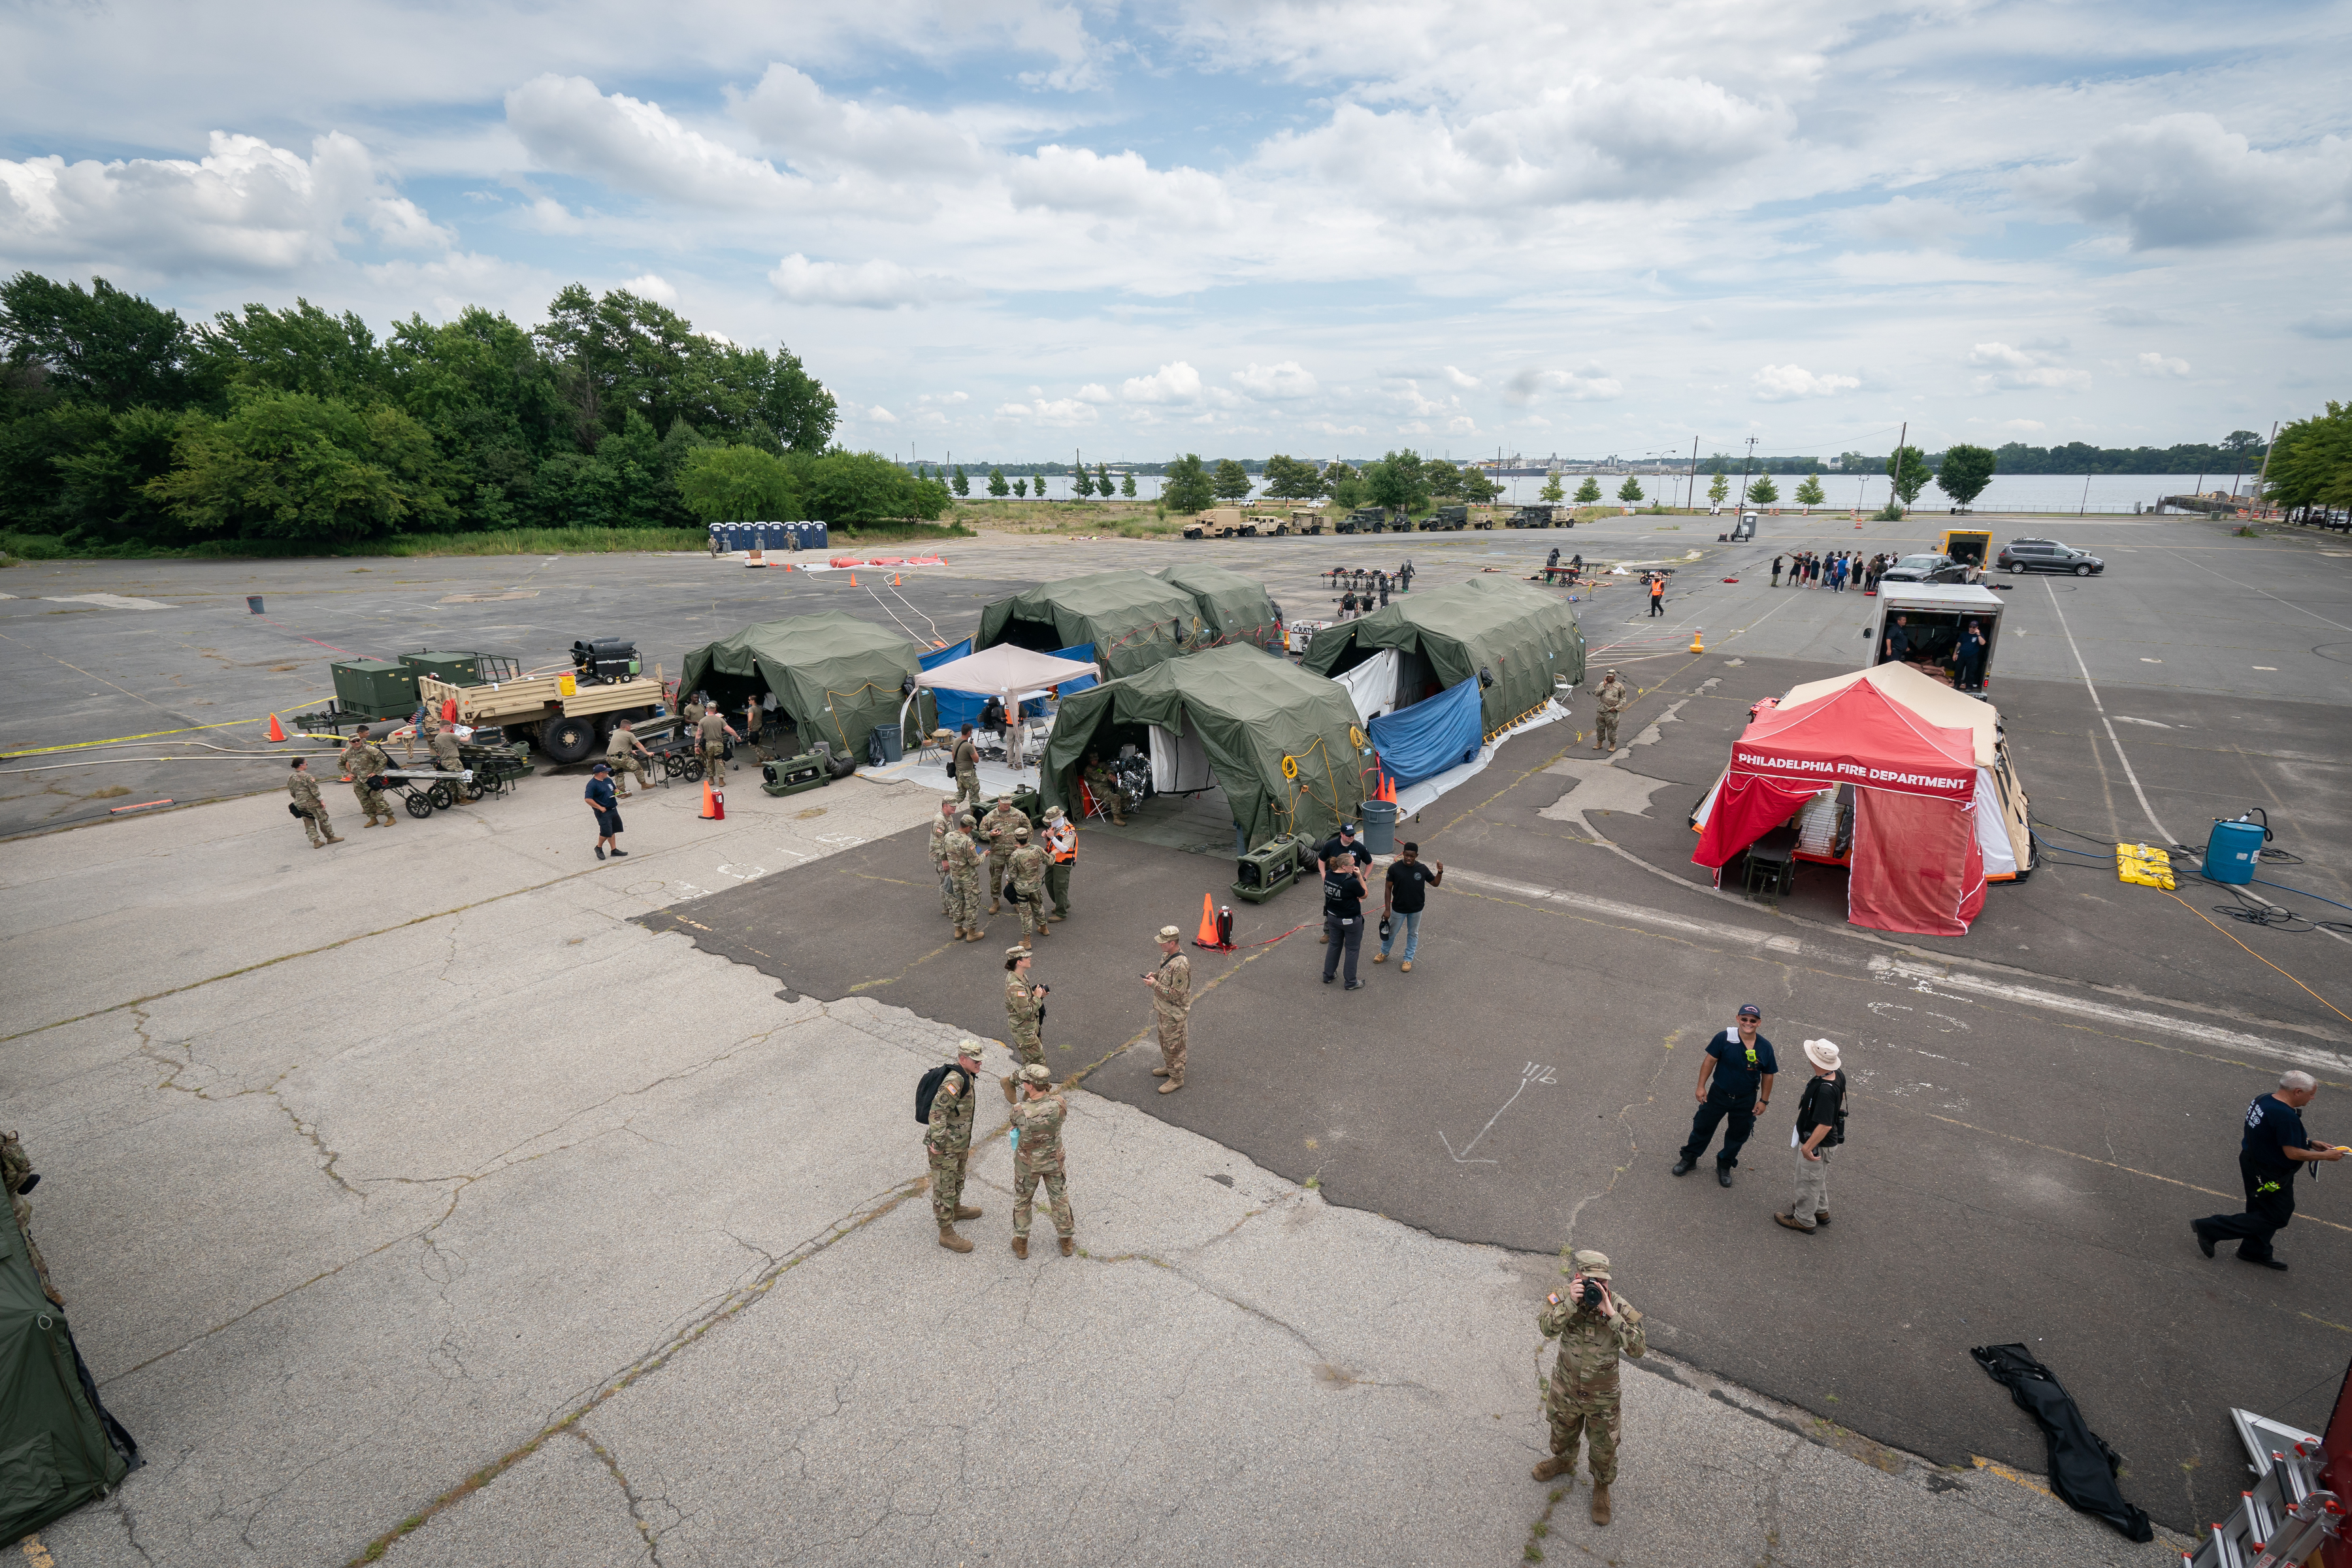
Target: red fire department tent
x,y
1916,866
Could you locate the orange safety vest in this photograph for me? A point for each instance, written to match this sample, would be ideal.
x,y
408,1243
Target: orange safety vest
x,y
1062,843
1658,587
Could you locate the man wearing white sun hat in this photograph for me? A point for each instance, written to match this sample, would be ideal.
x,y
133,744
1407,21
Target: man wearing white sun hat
x,y
1820,1127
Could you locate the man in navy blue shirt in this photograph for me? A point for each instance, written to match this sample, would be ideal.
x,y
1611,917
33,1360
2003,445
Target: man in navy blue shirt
x,y
2273,1149
1735,1081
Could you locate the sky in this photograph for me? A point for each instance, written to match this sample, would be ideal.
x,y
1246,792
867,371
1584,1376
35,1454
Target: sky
x,y
1023,230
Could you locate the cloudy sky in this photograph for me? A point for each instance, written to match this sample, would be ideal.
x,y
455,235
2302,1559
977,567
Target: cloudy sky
x,y
1011,229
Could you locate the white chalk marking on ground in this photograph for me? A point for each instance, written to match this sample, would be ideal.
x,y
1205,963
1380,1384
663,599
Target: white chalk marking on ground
x,y
2151,724
1637,914
1534,1072
2163,833
1971,987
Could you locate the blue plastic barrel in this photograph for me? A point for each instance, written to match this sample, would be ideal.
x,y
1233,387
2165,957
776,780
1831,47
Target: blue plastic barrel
x,y
2230,851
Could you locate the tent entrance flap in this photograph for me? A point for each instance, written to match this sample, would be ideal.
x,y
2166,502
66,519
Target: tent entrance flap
x,y
1426,738
1180,764
1916,868
1372,685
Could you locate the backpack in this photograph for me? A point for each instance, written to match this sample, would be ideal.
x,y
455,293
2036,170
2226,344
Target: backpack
x,y
929,1088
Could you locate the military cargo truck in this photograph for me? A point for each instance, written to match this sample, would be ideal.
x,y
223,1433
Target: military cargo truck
x,y
565,717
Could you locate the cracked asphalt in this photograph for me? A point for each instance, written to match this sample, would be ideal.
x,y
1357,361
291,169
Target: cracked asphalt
x,y
441,1185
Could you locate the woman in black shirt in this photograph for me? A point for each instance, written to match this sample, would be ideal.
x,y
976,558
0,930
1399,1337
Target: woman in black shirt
x,y
1343,916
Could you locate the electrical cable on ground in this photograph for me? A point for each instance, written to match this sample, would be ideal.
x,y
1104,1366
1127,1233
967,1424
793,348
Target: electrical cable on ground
x,y
2306,989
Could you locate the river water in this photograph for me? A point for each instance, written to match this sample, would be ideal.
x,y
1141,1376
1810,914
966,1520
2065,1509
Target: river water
x,y
2008,492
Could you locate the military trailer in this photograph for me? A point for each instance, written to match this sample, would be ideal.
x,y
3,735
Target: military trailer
x,y
565,717
375,690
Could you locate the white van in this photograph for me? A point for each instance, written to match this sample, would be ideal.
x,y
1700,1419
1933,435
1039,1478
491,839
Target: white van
x,y
1933,617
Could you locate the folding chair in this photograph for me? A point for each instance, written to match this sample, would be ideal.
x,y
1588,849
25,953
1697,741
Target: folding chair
x,y
1088,806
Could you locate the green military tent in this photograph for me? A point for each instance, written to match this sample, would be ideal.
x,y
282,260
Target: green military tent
x,y
1233,607
1515,640
58,1448
1134,619
834,676
1284,745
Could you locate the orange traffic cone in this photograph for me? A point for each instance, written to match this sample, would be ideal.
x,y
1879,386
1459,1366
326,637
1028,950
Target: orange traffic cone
x,y
276,731
709,803
853,579
1208,937
894,579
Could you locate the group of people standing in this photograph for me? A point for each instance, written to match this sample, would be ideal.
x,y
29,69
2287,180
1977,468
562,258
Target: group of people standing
x,y
1837,571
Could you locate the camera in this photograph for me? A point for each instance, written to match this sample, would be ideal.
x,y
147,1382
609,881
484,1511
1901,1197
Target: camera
x,y
1591,1297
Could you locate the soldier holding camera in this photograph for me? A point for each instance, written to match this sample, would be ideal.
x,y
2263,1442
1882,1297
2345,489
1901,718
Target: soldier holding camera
x,y
1594,1326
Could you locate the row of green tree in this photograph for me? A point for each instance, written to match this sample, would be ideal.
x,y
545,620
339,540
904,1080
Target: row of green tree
x,y
121,423
2311,464
2240,450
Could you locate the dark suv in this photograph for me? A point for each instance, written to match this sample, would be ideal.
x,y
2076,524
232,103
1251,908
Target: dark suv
x,y
2048,555
1926,569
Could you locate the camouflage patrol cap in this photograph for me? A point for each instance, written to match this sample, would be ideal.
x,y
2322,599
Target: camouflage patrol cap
x,y
1022,834
1036,1072
1591,1264
964,1049
1170,933
966,819
1019,950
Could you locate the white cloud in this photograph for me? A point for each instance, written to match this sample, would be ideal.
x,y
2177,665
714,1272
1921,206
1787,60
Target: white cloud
x,y
2160,365
632,145
2128,316
1176,383
1462,424
245,206
1784,383
2184,180
1122,185
1093,392
1276,383
1909,221
1461,378
1063,412
2023,369
653,286
875,285
881,416
1586,383
1324,427
816,132
945,399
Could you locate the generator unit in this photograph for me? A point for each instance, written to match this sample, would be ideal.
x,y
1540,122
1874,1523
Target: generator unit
x,y
606,659
810,770
1271,866
375,689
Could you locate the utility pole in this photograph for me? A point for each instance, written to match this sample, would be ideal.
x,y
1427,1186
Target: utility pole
x,y
1690,491
1746,464
1895,472
2264,477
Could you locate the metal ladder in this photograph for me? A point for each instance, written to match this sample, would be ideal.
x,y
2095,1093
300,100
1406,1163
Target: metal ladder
x,y
2280,1521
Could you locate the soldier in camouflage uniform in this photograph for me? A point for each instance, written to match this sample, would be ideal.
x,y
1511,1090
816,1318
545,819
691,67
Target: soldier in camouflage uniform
x,y
996,830
303,785
941,826
967,770
963,866
1105,790
1614,697
1024,1010
18,1175
363,761
948,1142
1593,1325
1172,1003
1037,1155
1025,883
624,753
714,729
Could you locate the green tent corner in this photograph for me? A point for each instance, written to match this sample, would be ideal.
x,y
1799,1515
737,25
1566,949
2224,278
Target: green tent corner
x,y
1525,638
1134,619
1283,744
58,1448
834,676
1233,607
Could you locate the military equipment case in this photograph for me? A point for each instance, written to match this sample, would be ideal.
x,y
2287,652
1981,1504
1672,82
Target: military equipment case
x,y
374,689
565,725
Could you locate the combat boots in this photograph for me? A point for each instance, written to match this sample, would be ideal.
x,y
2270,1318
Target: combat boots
x,y
966,1211
332,838
952,1241
993,906
1069,1246
1021,1246
1555,1466
1601,1502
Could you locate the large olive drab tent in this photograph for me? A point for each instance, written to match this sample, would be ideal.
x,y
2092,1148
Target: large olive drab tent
x,y
1283,744
1233,607
834,677
1520,638
1134,619
58,1448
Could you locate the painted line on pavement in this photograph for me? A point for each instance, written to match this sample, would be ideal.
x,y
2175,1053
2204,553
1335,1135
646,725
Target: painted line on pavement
x,y
1971,987
2163,833
1715,930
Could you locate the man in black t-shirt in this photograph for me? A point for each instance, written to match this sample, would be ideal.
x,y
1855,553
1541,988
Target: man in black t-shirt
x,y
2273,1149
1407,895
1735,1081
1820,1127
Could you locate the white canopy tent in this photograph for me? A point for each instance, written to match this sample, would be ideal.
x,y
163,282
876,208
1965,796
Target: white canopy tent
x,y
1004,671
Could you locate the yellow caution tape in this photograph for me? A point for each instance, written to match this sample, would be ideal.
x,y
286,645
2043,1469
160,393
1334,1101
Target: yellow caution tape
x,y
119,740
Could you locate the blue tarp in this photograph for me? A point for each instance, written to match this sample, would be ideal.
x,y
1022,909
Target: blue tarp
x,y
1424,740
947,654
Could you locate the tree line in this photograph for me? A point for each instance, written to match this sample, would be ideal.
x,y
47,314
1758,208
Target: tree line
x,y
121,422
